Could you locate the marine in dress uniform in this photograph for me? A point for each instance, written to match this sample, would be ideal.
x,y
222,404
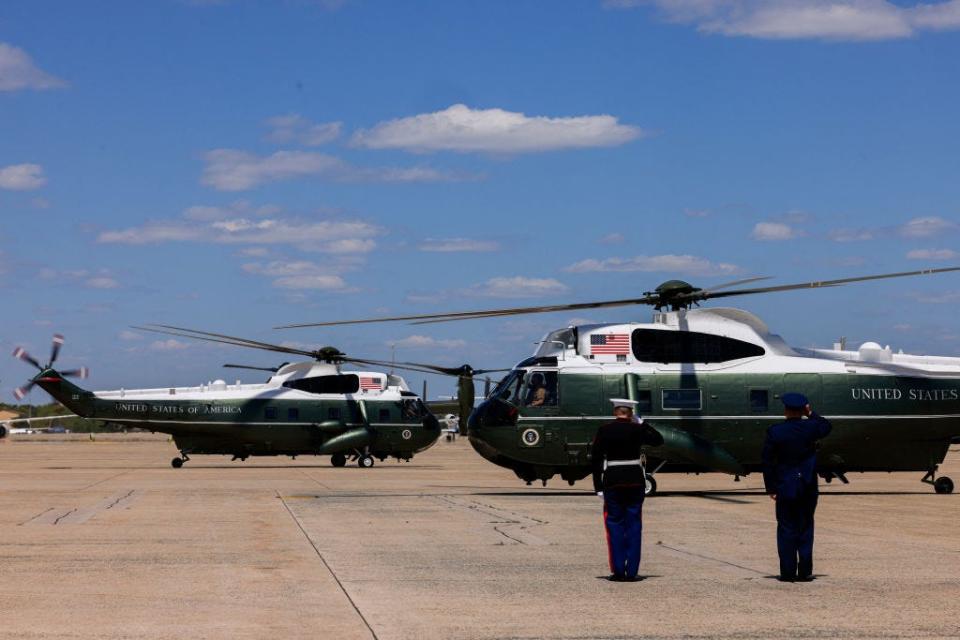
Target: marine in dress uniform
x,y
790,477
619,477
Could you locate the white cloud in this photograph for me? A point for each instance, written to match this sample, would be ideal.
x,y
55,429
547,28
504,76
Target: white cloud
x,y
613,238
857,20
774,231
100,279
932,254
947,297
426,342
325,236
696,213
101,282
851,235
254,252
460,128
312,281
22,177
235,170
926,227
17,71
168,345
130,336
296,128
457,245
681,264
302,274
517,287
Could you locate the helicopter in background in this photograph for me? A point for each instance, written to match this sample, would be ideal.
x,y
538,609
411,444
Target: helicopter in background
x,y
313,407
709,381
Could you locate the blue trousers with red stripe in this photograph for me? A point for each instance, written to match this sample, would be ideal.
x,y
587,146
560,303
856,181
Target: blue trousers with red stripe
x,y
623,520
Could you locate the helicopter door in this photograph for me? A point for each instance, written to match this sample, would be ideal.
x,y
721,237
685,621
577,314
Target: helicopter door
x,y
582,402
809,384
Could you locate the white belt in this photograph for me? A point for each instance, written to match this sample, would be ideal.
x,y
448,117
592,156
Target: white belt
x,y
622,463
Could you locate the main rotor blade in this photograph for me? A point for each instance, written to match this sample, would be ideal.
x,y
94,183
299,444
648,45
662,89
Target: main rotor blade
x,y
55,349
706,295
245,366
83,373
484,313
254,343
21,354
736,282
236,342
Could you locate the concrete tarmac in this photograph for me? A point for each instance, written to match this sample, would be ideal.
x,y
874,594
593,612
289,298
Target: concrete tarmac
x,y
104,540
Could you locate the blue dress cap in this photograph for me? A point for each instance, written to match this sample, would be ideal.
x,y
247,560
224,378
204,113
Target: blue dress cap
x,y
794,400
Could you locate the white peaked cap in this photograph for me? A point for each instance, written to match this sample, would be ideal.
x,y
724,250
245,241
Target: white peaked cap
x,y
623,402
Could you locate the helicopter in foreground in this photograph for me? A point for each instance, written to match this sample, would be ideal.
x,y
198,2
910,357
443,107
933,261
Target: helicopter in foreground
x,y
313,407
709,380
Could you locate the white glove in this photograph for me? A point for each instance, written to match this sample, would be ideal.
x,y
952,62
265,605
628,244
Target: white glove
x,y
600,494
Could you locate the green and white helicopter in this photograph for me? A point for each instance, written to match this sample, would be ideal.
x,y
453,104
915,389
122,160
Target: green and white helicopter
x,y
709,381
314,407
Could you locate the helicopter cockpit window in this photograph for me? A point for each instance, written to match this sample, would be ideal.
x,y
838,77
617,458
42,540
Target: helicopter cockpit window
x,y
326,384
539,389
413,409
508,388
654,345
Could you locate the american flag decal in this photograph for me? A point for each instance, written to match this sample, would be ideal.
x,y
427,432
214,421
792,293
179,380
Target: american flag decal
x,y
368,382
617,344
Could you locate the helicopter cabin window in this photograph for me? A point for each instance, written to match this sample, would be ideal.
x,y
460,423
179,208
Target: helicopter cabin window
x,y
681,399
759,400
644,401
655,345
337,384
270,413
293,414
509,388
539,389
333,413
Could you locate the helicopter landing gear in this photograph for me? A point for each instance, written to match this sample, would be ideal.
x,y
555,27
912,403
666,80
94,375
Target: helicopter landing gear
x,y
943,484
176,463
365,461
338,460
650,487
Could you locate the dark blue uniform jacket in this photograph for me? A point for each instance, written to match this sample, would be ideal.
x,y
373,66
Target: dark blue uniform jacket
x,y
790,455
621,440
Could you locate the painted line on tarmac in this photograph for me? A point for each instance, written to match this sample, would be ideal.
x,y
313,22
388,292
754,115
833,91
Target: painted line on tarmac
x,y
712,559
326,564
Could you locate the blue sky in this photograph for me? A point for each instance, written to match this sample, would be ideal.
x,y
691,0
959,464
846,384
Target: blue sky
x,y
235,165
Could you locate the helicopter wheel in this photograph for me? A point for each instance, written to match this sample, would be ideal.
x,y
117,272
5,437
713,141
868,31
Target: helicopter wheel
x,y
176,463
338,460
943,484
650,487
365,461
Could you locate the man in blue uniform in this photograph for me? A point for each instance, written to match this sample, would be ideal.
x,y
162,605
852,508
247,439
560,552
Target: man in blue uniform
x,y
619,477
790,477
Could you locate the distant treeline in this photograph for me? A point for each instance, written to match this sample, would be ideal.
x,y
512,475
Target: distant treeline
x,y
77,425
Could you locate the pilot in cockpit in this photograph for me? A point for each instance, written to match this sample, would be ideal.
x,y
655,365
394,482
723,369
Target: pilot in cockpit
x,y
537,393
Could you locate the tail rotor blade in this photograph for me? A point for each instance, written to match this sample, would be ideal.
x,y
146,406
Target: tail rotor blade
x,y
55,350
22,392
21,354
83,373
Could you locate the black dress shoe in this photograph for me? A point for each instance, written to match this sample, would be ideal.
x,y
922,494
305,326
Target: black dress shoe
x,y
616,577
787,578
806,578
